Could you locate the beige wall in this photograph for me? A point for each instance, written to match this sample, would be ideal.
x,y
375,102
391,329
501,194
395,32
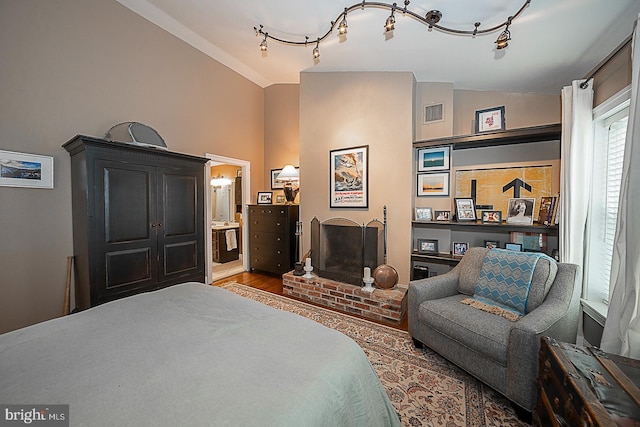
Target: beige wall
x,y
281,130
341,110
81,66
521,109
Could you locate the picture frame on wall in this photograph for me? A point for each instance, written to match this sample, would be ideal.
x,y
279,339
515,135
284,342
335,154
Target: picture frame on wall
x,y
25,170
423,214
275,184
265,197
433,184
427,246
433,159
490,120
349,177
465,209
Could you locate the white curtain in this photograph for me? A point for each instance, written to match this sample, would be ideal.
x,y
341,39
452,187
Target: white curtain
x,y
622,328
575,165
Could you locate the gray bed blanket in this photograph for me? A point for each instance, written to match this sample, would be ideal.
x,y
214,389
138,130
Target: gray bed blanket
x,y
193,355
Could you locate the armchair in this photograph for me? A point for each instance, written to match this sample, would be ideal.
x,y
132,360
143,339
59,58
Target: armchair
x,y
499,352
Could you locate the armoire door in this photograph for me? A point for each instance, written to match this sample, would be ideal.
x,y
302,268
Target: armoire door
x,y
180,230
125,230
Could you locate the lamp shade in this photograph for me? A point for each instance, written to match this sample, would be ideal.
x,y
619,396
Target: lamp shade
x,y
288,173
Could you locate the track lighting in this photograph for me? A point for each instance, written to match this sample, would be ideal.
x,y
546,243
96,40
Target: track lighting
x,y
431,20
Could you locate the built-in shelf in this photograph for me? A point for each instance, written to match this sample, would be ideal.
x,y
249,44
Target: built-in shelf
x,y
480,226
489,139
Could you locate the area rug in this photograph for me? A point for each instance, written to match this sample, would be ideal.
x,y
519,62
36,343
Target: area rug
x,y
425,389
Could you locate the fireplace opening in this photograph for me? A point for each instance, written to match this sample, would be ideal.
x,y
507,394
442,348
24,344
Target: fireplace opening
x,y
341,248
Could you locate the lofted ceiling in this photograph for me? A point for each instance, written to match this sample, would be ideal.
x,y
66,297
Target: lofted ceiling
x,y
553,41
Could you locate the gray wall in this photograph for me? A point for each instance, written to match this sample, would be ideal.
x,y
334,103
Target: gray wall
x,y
81,66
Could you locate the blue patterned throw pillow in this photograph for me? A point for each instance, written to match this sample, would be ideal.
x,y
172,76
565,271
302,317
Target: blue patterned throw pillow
x,y
504,282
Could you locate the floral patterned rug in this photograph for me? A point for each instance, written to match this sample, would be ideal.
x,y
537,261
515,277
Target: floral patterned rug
x,y
425,389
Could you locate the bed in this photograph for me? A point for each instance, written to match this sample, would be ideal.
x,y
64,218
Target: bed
x,y
193,355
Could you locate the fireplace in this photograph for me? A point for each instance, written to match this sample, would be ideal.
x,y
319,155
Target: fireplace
x,y
341,248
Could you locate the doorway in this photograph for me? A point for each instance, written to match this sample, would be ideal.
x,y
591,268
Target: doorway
x,y
226,203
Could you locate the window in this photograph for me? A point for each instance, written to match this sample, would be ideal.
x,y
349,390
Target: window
x,y
610,128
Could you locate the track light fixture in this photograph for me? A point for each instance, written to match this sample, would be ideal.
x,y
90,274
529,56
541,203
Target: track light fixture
x,y
431,19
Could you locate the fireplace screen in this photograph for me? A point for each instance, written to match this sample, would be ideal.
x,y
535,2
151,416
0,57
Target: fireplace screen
x,y
341,248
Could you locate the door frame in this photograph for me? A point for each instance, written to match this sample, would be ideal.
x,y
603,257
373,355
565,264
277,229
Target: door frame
x,y
215,160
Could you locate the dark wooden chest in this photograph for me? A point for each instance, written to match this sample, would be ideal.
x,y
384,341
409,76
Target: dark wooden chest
x,y
580,386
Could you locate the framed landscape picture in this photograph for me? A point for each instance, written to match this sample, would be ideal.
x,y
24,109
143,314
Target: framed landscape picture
x,y
433,159
433,184
25,170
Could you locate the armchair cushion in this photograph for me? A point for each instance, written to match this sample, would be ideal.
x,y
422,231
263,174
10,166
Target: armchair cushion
x,y
505,280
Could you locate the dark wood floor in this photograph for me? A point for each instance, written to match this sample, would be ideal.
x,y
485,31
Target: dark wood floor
x,y
273,284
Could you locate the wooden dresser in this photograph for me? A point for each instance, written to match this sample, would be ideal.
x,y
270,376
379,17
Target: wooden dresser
x,y
138,219
272,237
580,386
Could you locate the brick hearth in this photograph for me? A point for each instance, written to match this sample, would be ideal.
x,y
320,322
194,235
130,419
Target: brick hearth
x,y
387,305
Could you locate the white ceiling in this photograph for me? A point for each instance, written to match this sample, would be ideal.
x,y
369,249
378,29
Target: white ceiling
x,y
553,41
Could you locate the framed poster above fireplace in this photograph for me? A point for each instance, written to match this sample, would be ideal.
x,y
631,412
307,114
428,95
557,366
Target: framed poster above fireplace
x,y
349,177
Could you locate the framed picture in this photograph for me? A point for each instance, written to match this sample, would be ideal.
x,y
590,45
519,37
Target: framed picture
x,y
280,199
25,170
433,184
442,215
349,177
465,210
265,197
433,159
491,119
491,244
278,185
521,211
423,214
427,246
489,217
513,246
460,248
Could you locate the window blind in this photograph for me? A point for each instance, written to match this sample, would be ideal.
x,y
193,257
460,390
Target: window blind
x,y
616,135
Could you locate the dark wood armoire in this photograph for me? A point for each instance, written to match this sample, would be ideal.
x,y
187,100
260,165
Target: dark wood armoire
x,y
138,219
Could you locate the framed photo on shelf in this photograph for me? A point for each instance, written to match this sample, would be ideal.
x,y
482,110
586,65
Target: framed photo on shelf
x,y
349,177
521,211
25,170
433,159
513,247
492,217
423,214
442,215
433,184
491,244
265,197
460,248
465,209
427,246
491,119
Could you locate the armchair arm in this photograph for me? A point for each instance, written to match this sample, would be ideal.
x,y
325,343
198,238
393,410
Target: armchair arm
x,y
428,289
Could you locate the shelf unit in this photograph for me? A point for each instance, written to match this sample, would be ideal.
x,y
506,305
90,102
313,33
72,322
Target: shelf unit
x,y
475,232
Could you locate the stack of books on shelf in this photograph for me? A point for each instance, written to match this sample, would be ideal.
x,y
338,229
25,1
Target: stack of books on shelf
x,y
548,213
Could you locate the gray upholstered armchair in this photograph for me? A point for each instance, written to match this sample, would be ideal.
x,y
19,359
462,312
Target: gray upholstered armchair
x,y
501,353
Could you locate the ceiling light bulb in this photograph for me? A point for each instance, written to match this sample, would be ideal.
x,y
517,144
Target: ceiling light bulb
x,y
503,39
263,45
389,25
342,28
316,52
